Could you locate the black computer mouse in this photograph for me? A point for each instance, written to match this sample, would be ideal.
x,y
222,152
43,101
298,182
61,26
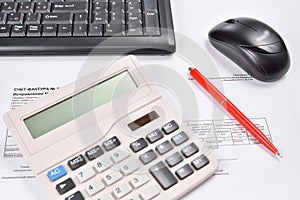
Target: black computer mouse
x,y
254,46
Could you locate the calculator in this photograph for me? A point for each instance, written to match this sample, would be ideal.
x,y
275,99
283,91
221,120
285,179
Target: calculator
x,y
110,135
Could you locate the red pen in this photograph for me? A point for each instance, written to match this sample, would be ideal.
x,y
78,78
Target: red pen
x,y
234,111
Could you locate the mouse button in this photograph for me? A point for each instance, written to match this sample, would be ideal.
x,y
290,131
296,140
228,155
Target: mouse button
x,y
269,49
232,21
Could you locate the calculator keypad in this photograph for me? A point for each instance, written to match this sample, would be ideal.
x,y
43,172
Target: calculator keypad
x,y
111,165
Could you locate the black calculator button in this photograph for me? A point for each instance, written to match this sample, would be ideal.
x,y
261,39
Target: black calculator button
x,y
138,145
179,138
65,186
184,171
148,157
164,147
189,150
111,143
174,159
75,196
200,162
94,153
154,136
163,175
76,162
170,127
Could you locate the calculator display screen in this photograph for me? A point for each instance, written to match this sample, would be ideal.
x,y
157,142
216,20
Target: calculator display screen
x,y
79,104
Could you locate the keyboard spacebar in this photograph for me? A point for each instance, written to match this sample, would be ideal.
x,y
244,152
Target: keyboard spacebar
x,y
57,18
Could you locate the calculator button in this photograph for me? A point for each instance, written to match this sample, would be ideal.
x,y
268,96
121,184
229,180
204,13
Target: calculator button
x,y
75,196
94,187
129,166
111,143
122,190
163,175
174,159
112,177
85,174
103,164
138,145
133,198
138,180
65,186
170,127
148,157
179,138
200,162
149,192
164,147
77,162
56,173
94,153
119,155
154,136
105,197
184,171
189,150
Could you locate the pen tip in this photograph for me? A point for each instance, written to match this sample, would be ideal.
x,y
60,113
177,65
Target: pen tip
x,y
190,68
279,156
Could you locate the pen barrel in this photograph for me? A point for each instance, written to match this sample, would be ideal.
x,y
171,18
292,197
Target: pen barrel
x,y
233,110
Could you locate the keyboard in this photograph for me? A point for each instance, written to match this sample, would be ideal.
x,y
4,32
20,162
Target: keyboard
x,y
56,27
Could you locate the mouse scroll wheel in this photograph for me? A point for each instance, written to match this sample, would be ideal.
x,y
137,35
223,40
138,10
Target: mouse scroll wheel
x,y
232,21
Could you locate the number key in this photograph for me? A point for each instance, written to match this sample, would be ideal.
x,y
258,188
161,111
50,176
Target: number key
x,y
121,190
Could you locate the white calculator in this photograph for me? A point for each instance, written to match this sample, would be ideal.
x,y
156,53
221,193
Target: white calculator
x,y
109,136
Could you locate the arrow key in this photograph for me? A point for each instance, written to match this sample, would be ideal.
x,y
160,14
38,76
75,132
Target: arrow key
x,y
65,186
75,196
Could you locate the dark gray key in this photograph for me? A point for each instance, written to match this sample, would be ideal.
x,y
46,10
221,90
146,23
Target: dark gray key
x,y
133,6
33,18
116,6
170,127
75,196
95,30
114,30
180,138
80,30
34,30
8,7
15,18
81,18
49,30
184,171
4,30
164,147
3,18
154,136
18,30
138,145
150,5
57,18
174,159
100,6
76,162
163,175
151,23
111,143
64,30
117,18
148,157
100,18
65,186
189,150
74,7
26,7
134,16
200,162
94,153
42,7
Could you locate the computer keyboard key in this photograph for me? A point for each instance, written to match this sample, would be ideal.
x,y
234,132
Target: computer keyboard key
x,y
117,18
150,5
42,7
57,18
26,7
100,6
49,30
75,196
65,186
114,30
18,30
134,16
3,18
64,30
34,30
8,7
184,172
163,175
116,6
189,150
32,18
74,7
81,18
151,23
96,30
200,162
80,30
133,6
100,18
15,18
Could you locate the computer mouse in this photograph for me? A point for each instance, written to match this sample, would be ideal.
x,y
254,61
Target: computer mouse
x,y
254,46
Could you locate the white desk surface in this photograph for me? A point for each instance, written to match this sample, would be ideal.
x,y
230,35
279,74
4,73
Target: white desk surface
x,y
193,18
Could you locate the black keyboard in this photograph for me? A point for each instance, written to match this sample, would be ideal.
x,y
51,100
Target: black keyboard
x,y
85,26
